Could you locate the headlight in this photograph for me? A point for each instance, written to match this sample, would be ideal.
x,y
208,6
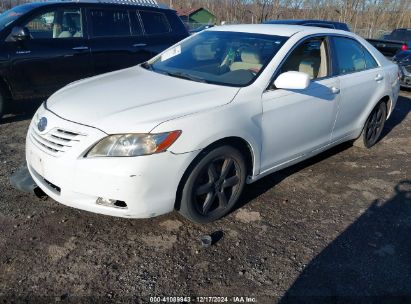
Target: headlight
x,y
133,144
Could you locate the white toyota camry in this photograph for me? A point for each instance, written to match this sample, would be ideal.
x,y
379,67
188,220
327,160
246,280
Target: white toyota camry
x,y
188,129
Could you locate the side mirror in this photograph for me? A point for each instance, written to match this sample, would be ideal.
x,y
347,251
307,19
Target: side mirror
x,y
20,33
292,81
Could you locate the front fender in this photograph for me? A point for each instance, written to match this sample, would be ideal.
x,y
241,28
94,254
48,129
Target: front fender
x,y
240,119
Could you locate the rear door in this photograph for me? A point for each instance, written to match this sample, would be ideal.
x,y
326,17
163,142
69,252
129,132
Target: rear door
x,y
158,31
361,81
56,54
116,38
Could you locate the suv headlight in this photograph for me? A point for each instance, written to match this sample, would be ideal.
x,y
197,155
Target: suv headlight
x,y
128,145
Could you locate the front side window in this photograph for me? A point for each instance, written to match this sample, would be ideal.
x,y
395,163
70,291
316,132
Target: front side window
x,y
56,24
224,58
310,57
154,23
110,23
350,55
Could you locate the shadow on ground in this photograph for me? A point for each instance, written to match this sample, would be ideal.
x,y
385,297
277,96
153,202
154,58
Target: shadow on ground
x,y
369,262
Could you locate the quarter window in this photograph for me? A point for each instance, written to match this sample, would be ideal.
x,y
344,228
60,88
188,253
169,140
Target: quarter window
x,y
350,55
309,57
154,23
370,62
110,23
57,24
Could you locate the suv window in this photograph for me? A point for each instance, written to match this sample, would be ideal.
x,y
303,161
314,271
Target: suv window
x,y
350,55
60,23
154,23
109,23
309,57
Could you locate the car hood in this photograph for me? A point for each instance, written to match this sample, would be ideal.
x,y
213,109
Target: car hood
x,y
135,100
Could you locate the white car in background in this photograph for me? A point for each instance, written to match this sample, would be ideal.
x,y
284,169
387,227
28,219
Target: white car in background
x,y
188,129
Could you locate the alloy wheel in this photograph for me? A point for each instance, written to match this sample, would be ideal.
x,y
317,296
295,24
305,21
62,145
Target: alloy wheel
x,y
217,185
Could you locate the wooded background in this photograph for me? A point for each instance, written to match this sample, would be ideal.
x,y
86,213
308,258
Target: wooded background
x,y
369,18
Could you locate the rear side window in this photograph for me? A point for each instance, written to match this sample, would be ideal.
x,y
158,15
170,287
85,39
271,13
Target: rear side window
x,y
154,23
370,62
109,23
350,55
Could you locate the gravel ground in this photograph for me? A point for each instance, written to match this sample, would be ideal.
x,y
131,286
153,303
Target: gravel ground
x,y
333,229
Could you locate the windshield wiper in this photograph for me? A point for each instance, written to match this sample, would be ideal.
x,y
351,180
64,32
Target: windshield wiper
x,y
185,76
147,66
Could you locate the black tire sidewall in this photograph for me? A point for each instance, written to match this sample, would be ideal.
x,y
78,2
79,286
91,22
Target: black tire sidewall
x,y
384,110
187,208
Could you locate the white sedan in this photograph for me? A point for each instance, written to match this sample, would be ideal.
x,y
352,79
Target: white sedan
x,y
188,129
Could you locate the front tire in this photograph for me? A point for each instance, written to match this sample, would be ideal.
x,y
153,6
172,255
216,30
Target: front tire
x,y
373,127
214,185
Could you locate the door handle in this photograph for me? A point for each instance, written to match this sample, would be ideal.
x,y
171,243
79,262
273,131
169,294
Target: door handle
x,y
80,48
335,90
140,45
379,77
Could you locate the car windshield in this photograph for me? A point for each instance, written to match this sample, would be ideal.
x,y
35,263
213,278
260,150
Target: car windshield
x,y
11,15
217,57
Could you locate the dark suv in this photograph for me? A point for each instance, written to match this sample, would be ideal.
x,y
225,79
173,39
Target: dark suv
x,y
44,46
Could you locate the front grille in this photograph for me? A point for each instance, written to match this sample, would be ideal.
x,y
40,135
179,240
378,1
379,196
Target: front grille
x,y
56,141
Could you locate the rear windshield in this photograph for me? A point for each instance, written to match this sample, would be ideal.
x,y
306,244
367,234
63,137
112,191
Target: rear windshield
x,y
11,15
402,35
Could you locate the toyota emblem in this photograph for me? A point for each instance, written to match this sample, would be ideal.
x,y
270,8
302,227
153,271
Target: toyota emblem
x,y
42,124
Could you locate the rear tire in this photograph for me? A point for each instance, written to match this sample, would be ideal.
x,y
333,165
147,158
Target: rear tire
x,y
373,127
214,185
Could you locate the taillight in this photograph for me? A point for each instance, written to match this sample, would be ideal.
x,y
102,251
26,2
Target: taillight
x,y
404,47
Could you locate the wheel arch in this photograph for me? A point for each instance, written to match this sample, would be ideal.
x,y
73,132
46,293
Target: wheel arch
x,y
5,88
239,143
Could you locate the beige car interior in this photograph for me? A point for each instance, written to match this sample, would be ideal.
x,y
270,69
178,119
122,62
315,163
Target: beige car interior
x,y
250,60
308,60
70,20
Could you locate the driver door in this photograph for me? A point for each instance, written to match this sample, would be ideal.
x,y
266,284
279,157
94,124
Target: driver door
x,y
56,53
297,122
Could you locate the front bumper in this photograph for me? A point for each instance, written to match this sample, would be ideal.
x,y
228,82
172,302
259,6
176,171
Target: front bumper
x,y
147,184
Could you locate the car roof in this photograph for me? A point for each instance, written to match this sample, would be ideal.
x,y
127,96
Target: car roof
x,y
301,21
136,3
284,30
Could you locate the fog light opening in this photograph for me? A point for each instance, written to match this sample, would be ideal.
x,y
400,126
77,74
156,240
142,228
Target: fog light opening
x,y
120,204
111,203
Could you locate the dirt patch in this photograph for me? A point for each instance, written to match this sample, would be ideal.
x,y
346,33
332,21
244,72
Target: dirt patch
x,y
247,216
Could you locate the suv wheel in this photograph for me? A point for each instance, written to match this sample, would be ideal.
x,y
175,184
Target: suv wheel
x,y
373,127
214,185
